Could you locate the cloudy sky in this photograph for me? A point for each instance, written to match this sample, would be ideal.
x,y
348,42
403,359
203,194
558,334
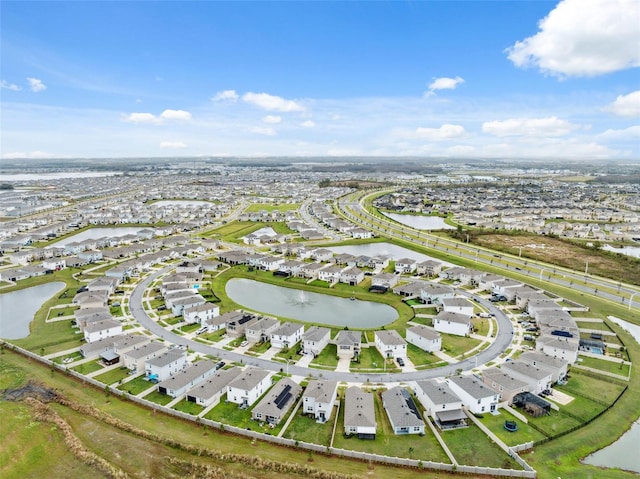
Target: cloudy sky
x,y
459,79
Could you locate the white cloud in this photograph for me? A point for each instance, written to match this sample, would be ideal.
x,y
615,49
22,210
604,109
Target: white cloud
x,y
173,144
445,83
28,155
626,105
176,115
36,85
148,118
271,102
225,95
551,126
583,38
308,124
151,119
10,86
273,119
445,132
263,130
631,133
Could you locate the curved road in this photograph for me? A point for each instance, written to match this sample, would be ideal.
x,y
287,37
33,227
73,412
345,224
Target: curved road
x,y
502,341
604,288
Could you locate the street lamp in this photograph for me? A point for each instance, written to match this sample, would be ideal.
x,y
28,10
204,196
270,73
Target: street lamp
x,y
542,271
631,300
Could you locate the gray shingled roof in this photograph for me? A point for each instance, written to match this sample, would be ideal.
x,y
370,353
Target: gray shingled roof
x,y
215,384
401,408
249,379
320,390
167,357
358,408
184,377
270,407
437,392
315,333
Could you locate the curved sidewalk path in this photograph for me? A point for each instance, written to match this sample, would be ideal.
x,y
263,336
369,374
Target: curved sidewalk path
x,y
501,343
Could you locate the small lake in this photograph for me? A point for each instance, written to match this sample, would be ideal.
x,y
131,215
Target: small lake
x,y
623,453
420,222
309,307
626,250
181,203
379,249
96,233
19,307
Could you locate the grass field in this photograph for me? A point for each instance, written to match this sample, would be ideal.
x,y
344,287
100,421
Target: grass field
x,y
525,433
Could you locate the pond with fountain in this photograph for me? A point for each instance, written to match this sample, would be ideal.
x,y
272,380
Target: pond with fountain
x,y
309,307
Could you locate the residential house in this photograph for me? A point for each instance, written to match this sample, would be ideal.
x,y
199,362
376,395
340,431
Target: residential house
x,y
425,338
315,339
360,233
348,344
187,379
179,305
556,366
384,281
129,341
507,385
452,323
537,379
441,403
351,276
476,396
165,365
261,330
359,413
318,399
433,293
200,313
135,358
238,322
102,329
402,411
429,268
287,335
245,389
458,305
330,273
209,392
406,266
390,344
311,270
277,402
558,347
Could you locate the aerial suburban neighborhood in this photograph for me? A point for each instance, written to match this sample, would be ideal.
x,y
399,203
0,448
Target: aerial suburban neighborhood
x,y
308,316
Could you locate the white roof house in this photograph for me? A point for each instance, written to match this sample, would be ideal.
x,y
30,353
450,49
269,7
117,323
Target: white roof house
x,y
287,335
102,329
315,339
248,386
476,396
441,403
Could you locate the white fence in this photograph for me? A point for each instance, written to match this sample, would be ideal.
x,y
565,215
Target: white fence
x,y
363,456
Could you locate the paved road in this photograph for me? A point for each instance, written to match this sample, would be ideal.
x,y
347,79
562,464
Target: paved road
x,y
621,293
501,342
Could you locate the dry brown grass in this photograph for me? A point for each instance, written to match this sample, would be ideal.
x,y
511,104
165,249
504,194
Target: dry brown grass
x,y
565,254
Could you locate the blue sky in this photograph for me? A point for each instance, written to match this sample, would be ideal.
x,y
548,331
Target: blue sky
x,y
451,79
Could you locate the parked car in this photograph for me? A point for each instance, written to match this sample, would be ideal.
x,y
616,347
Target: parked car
x,y
220,364
400,361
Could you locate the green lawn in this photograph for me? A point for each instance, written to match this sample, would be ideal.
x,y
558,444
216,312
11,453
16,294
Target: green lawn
x,y
599,326
602,390
257,207
422,359
457,345
136,385
113,376
371,359
305,428
291,353
158,398
525,432
188,407
328,357
214,336
86,368
260,348
481,326
423,321
230,413
470,446
425,448
75,356
555,423
604,365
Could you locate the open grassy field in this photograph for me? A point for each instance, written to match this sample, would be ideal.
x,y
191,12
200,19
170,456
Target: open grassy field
x,y
563,253
257,207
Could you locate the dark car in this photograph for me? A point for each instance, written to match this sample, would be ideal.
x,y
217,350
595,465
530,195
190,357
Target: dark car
x,y
220,364
400,361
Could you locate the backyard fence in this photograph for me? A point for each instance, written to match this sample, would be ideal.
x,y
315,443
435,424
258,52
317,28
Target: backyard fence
x,y
362,456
